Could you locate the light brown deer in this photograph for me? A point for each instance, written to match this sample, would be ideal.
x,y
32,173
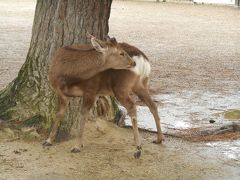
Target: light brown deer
x,y
72,65
118,83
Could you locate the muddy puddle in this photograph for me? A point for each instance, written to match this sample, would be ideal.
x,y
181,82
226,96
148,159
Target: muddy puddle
x,y
195,109
230,149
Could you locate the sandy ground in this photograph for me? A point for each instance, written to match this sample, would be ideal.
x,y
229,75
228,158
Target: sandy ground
x,y
191,48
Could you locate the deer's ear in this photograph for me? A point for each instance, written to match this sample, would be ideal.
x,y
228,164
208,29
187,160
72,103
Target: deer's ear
x,y
107,38
98,45
113,41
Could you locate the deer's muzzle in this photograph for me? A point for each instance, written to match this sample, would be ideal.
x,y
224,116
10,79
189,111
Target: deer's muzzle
x,y
133,64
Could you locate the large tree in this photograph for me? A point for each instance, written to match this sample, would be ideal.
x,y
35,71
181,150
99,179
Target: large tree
x,y
29,99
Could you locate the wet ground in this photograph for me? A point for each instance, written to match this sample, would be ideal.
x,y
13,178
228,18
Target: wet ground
x,y
200,111
194,52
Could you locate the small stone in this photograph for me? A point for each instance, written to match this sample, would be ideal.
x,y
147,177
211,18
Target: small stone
x,y
232,114
30,134
27,129
23,150
20,166
35,134
17,152
72,168
212,121
9,132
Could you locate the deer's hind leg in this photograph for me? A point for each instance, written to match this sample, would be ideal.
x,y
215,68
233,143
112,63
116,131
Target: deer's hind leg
x,y
127,102
62,105
143,94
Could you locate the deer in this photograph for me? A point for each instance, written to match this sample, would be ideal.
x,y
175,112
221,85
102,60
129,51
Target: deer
x,y
117,82
89,61
72,65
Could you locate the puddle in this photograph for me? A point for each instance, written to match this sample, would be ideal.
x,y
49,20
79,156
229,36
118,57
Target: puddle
x,y
194,109
230,150
189,109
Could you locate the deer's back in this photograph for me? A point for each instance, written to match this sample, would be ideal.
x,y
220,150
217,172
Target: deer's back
x,y
76,61
106,82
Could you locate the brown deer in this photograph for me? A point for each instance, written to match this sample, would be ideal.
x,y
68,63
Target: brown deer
x,y
118,83
72,65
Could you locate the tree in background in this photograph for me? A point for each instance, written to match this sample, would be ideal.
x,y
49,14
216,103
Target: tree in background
x,y
28,100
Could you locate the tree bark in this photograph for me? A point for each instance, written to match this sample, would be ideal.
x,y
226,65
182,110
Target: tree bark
x,y
29,100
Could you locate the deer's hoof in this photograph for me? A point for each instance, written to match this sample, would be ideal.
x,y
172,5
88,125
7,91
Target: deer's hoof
x,y
159,140
75,150
137,154
46,143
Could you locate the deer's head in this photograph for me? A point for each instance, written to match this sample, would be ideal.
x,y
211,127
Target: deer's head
x,y
115,57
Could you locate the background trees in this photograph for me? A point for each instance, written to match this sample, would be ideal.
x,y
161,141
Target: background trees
x,y
29,99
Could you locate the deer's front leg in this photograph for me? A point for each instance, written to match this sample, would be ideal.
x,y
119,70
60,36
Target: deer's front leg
x,y
88,102
137,140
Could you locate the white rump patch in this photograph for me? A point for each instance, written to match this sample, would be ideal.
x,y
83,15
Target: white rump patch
x,y
142,67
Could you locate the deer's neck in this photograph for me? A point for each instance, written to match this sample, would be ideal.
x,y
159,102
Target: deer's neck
x,y
93,70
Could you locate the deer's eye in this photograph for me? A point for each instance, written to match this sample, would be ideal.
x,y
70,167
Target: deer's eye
x,y
121,54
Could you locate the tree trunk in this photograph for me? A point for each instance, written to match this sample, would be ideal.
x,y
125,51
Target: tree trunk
x,y
29,100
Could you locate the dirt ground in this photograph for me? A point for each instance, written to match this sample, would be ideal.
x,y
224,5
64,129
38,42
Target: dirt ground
x,y
191,47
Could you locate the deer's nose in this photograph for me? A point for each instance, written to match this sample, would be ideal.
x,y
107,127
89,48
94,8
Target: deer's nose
x,y
133,63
